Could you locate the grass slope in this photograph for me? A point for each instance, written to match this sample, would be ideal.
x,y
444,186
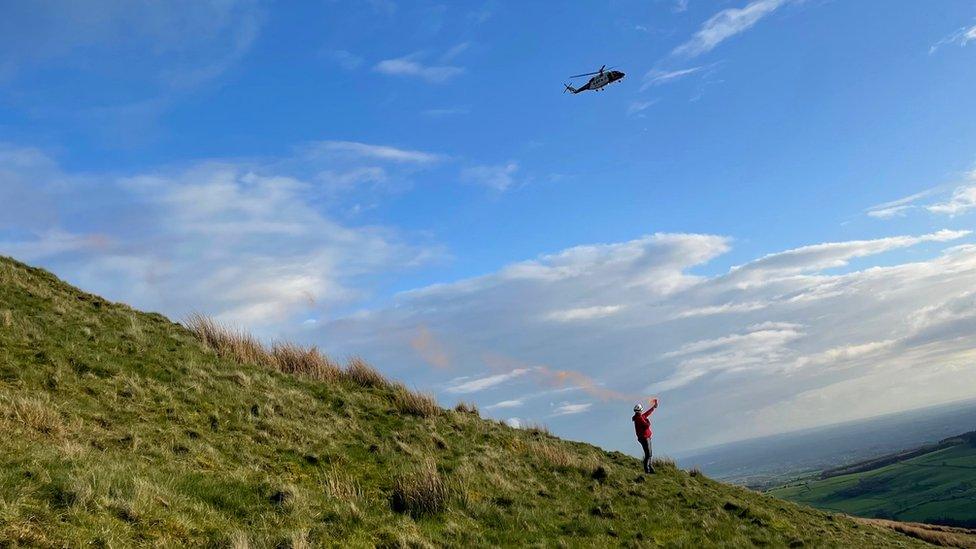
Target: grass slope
x,y
121,428
937,487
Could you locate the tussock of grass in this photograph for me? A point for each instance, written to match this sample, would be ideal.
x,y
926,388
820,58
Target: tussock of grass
x,y
229,343
342,487
538,429
306,361
557,456
364,375
466,408
415,403
664,464
35,413
420,492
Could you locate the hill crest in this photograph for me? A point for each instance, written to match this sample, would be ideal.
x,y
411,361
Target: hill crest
x,y
125,428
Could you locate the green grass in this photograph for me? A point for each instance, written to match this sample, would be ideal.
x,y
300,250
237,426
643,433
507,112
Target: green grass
x,y
122,428
936,487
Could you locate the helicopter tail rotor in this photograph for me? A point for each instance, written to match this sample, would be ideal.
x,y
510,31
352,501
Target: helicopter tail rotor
x,y
569,89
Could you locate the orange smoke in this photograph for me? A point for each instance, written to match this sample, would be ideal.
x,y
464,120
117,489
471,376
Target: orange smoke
x,y
588,385
558,378
429,349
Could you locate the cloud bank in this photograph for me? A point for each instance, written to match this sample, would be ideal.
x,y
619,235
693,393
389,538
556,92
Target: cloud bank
x,y
791,339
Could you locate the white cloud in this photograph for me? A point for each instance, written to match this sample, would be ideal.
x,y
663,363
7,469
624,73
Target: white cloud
x,y
655,77
724,308
227,238
583,313
515,403
899,207
567,408
411,66
960,37
465,385
726,24
725,349
499,177
832,255
638,107
963,200
356,150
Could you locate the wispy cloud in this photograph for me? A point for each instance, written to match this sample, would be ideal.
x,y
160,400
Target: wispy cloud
x,y
454,52
656,77
832,255
499,177
279,255
963,200
584,313
411,66
766,336
638,107
960,37
899,207
347,60
567,408
355,149
515,403
464,385
726,24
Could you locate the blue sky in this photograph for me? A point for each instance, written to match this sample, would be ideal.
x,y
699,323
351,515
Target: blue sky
x,y
767,219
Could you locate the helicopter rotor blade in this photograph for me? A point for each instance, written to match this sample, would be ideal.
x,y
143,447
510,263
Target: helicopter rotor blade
x,y
587,74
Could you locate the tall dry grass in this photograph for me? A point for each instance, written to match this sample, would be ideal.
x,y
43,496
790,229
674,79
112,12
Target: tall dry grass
x,y
421,491
342,487
36,413
415,403
364,375
295,359
554,454
228,342
942,536
466,408
305,361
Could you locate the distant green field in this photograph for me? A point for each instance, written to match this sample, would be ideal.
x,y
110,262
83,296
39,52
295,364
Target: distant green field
x,y
939,487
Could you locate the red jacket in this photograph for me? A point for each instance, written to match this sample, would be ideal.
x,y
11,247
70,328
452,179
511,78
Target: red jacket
x,y
642,423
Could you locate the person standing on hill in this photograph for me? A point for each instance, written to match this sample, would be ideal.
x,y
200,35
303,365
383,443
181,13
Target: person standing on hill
x,y
642,425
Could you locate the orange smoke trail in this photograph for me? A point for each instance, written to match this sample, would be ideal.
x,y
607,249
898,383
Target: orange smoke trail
x,y
558,378
429,349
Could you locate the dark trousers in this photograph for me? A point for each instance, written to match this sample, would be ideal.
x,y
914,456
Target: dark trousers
x,y
646,445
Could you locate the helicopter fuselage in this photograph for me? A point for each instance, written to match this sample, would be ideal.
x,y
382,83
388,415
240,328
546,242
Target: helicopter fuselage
x,y
600,81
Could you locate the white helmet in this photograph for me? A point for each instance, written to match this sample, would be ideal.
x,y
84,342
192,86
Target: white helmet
x,y
638,407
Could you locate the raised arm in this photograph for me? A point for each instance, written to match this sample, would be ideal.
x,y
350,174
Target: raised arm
x,y
651,409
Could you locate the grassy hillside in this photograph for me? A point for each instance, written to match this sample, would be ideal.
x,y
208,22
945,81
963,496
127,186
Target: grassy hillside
x,y
937,487
123,428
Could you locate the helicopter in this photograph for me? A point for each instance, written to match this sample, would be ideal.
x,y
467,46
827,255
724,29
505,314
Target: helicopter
x,y
602,79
